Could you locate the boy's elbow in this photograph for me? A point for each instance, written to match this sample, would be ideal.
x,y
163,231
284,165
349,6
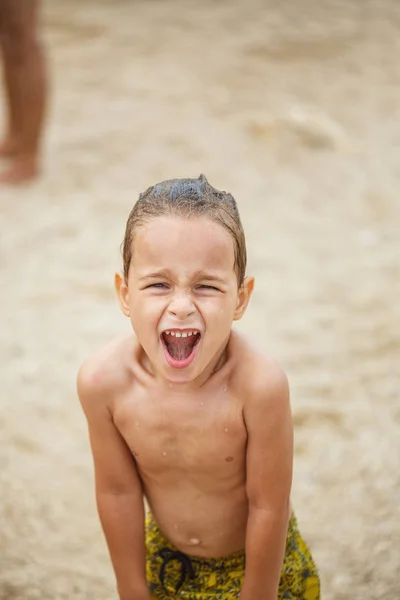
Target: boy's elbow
x,y
271,507
109,488
118,503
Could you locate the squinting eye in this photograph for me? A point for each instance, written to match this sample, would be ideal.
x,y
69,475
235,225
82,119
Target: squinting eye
x,y
157,285
209,287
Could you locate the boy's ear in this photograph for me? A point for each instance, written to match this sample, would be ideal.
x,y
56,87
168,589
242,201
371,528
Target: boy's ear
x,y
121,288
244,295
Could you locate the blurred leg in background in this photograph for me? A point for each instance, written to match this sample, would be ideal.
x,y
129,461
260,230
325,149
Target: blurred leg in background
x,y
24,87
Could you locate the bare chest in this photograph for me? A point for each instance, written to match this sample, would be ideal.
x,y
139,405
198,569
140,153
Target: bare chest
x,y
184,435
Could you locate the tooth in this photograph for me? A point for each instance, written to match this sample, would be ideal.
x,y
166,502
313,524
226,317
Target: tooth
x,y
177,334
167,332
172,333
184,334
189,333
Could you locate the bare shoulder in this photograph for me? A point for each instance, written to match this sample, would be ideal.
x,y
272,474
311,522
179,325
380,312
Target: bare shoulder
x,y
258,378
107,372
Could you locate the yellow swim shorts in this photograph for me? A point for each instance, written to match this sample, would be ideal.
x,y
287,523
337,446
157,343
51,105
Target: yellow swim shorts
x,y
173,574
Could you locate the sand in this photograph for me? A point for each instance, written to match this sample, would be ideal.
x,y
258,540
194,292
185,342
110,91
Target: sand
x,y
293,107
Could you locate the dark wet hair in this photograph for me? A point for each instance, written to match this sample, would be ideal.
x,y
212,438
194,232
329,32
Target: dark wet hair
x,y
187,198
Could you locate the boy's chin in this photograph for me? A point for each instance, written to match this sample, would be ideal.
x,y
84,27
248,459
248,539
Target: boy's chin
x,y
179,378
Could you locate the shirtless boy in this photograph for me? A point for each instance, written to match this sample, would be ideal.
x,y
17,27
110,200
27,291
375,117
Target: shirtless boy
x,y
187,414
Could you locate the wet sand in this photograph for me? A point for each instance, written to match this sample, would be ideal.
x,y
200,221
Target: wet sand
x,y
293,107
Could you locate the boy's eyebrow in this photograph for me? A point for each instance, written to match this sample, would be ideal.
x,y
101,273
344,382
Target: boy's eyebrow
x,y
155,275
209,277
198,275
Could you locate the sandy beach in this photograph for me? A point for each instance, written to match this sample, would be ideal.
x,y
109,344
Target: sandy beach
x,y
294,108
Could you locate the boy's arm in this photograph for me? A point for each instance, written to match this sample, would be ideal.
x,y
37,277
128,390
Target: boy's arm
x,y
268,482
119,492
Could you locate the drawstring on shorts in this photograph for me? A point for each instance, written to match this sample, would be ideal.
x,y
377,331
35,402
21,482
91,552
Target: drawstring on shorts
x,y
168,556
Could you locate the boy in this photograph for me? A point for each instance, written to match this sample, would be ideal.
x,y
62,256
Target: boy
x,y
25,87
187,414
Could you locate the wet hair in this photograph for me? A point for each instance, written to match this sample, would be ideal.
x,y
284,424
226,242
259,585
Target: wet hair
x,y
187,198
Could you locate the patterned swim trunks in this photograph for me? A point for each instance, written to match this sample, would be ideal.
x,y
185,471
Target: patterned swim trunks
x,y
173,574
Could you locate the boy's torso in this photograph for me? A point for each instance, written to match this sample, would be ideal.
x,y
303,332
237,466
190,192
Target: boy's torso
x,y
190,453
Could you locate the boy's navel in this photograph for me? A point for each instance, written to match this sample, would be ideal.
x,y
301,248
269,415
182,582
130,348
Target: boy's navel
x,y
194,541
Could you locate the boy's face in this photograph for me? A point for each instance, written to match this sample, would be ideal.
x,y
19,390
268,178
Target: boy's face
x,y
182,294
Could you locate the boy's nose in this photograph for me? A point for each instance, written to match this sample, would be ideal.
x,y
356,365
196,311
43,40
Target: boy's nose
x,y
181,306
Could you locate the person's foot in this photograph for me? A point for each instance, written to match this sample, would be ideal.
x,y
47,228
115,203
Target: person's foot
x,y
9,147
22,169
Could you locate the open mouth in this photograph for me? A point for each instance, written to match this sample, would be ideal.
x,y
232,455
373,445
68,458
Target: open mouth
x,y
180,346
